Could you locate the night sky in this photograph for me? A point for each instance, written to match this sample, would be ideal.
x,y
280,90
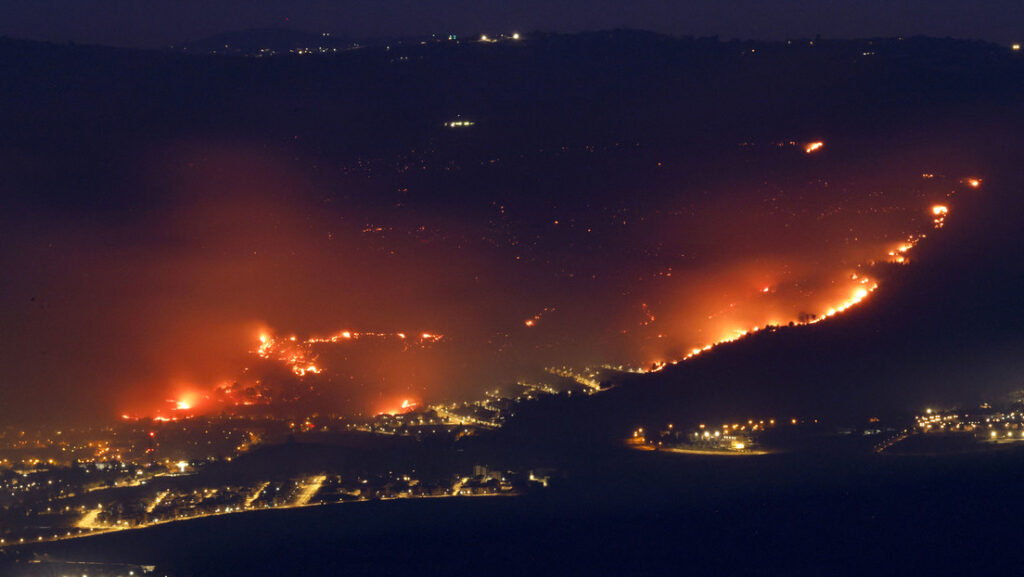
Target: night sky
x,y
160,23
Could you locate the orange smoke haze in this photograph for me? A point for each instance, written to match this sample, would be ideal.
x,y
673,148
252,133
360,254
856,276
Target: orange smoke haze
x,y
162,314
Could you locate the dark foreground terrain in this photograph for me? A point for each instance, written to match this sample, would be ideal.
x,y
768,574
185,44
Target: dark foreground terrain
x,y
655,514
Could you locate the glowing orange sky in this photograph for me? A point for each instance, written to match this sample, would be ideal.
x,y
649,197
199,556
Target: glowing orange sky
x,y
175,301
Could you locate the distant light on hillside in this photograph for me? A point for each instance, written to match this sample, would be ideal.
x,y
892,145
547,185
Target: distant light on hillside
x,y
813,146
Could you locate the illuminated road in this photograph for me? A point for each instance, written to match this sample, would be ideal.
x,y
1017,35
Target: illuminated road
x,y
452,418
88,521
458,485
888,443
256,495
160,497
723,453
91,527
585,380
308,490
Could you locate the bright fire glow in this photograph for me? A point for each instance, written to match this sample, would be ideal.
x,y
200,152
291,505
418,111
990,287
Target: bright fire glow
x,y
536,318
813,146
859,294
406,406
743,304
300,357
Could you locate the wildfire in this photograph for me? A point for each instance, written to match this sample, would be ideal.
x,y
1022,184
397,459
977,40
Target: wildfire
x,y
302,371
266,344
898,254
299,356
858,294
813,146
407,406
536,318
648,315
302,354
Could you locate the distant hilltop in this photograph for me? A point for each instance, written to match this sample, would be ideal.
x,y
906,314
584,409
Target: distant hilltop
x,y
269,42
279,41
623,43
